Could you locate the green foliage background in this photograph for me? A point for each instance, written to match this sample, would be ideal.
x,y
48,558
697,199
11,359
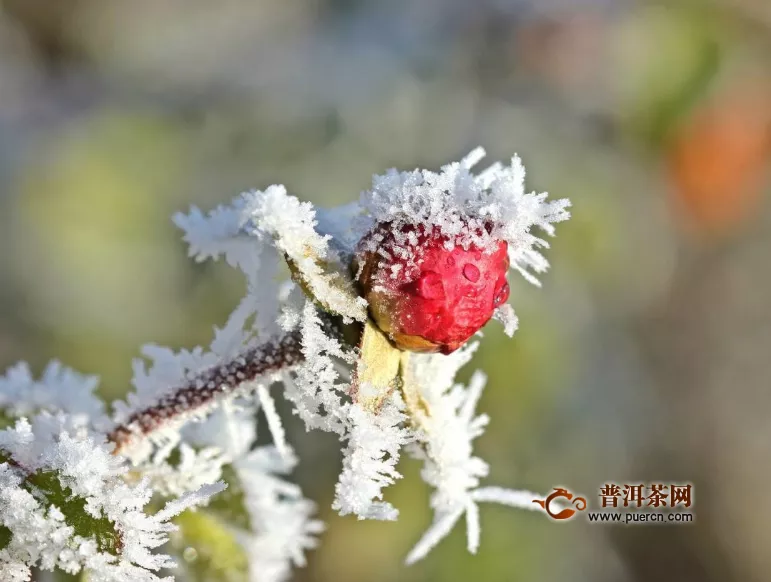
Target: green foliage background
x,y
112,117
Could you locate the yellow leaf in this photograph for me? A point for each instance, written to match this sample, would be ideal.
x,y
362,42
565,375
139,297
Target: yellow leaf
x,y
377,371
417,407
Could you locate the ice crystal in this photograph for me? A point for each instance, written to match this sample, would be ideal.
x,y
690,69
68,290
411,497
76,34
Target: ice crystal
x,y
469,209
445,447
60,389
67,505
370,457
84,491
283,527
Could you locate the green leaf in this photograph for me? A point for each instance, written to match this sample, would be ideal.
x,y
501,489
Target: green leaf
x,y
229,505
207,541
6,420
209,548
47,488
100,529
5,537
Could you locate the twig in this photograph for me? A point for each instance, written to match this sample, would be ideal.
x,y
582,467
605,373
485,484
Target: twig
x,y
208,386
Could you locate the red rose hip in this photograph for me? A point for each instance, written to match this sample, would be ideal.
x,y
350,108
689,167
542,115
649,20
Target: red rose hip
x,y
425,290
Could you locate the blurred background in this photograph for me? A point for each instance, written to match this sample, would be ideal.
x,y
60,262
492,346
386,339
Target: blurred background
x,y
645,357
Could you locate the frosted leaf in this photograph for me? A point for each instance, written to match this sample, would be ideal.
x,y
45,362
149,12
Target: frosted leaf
x,y
81,463
290,223
219,233
281,517
60,389
447,436
231,429
369,460
317,389
440,529
39,534
445,439
505,314
194,470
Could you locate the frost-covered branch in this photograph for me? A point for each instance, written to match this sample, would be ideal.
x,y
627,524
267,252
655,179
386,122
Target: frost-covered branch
x,y
365,339
205,390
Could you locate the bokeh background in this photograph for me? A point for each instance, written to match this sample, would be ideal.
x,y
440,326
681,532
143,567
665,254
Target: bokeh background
x,y
646,356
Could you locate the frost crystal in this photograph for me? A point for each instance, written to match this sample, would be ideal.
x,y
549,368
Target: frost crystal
x,y
471,209
53,462
291,224
370,458
447,453
83,491
505,314
284,529
60,389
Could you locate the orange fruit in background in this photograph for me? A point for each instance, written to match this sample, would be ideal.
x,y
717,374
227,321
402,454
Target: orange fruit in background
x,y
717,159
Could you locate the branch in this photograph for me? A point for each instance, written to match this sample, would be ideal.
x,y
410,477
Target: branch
x,y
208,387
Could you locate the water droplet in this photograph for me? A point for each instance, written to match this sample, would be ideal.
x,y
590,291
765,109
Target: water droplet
x,y
471,272
190,554
430,286
502,295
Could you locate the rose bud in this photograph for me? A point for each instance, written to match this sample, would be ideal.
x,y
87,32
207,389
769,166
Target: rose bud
x,y
427,291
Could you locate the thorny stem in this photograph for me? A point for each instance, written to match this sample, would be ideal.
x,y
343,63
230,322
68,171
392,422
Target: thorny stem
x,y
210,385
218,382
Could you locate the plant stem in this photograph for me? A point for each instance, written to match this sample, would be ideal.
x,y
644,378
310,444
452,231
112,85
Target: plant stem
x,y
210,386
